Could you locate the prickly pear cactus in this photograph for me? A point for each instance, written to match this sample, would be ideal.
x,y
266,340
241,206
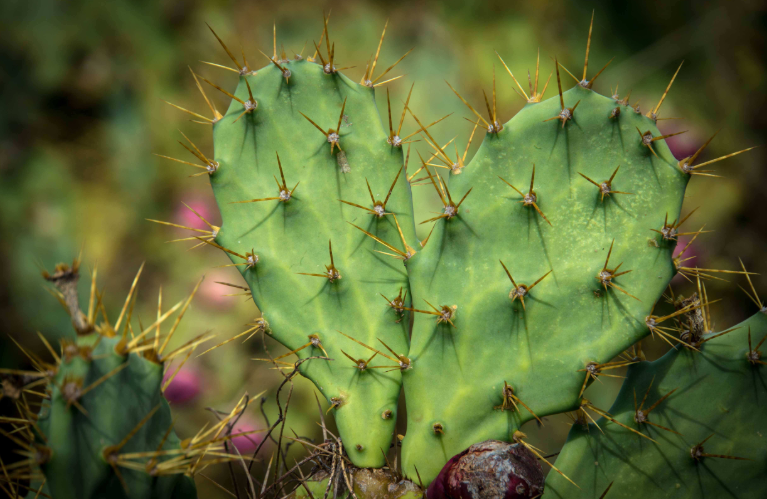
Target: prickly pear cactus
x,y
86,428
106,411
302,246
508,338
104,428
708,431
554,244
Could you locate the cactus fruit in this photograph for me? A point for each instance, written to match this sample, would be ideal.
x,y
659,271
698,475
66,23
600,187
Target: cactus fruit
x,y
104,407
489,469
514,302
702,410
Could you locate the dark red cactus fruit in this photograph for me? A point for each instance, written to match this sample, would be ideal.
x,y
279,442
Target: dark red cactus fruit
x,y
489,470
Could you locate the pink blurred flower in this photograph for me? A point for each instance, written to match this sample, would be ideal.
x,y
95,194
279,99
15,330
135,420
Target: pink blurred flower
x,y
246,444
186,385
683,145
202,206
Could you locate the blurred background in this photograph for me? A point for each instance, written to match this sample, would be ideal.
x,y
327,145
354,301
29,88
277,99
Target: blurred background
x,y
81,115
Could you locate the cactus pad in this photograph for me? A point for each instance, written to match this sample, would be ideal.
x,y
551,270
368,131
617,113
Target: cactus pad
x,y
717,419
306,297
536,341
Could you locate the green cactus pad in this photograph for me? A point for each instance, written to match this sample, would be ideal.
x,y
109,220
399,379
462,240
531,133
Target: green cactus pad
x,y
77,467
569,318
720,399
292,237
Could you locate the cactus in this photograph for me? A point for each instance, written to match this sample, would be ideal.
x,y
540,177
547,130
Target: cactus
x,y
304,246
517,299
701,411
104,407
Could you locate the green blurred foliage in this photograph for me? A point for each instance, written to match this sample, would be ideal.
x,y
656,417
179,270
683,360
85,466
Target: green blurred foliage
x,y
81,84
